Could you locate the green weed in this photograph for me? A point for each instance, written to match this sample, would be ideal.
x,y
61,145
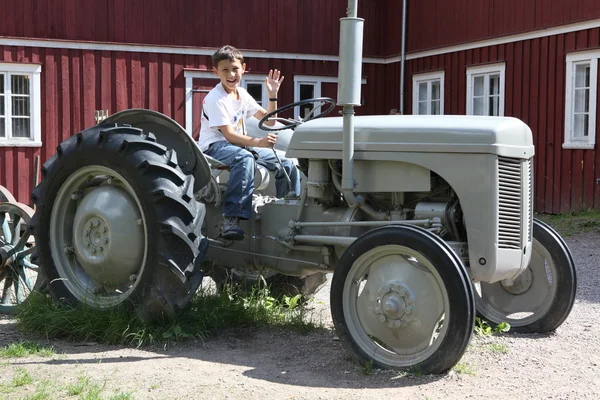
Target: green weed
x,y
207,315
569,224
24,349
483,328
464,368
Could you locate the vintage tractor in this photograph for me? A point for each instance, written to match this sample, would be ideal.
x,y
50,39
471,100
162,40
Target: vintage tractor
x,y
424,222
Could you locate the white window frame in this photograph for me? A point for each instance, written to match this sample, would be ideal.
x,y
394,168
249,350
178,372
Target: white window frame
x,y
257,79
429,78
570,141
316,81
34,72
486,70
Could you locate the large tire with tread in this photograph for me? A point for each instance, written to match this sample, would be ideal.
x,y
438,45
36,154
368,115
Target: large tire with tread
x,y
402,299
543,295
117,224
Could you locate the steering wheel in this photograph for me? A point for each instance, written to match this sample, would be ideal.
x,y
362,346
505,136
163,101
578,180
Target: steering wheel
x,y
289,123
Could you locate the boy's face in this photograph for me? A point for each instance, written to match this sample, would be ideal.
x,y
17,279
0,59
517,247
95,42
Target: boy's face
x,y
230,73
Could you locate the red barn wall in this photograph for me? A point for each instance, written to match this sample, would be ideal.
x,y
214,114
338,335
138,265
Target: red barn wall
x,y
291,26
565,179
441,23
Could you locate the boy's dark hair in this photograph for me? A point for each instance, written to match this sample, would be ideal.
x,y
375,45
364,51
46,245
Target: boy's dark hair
x,y
229,53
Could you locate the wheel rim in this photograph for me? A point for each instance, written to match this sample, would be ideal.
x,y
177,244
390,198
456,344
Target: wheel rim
x,y
98,236
18,274
529,299
6,196
394,301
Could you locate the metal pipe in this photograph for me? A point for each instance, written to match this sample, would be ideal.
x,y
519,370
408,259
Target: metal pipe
x,y
331,240
317,266
417,222
352,11
358,201
403,56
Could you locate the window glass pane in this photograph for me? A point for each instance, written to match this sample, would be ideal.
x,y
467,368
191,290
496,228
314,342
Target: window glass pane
x,y
581,125
20,84
494,106
478,106
1,83
20,127
582,75
307,91
20,106
2,123
478,86
422,91
2,105
435,90
422,108
582,100
255,90
435,107
494,84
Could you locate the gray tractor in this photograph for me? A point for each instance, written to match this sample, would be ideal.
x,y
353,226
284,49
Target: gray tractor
x,y
424,221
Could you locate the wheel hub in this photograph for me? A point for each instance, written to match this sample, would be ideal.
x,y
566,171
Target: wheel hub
x,y
395,304
521,284
108,239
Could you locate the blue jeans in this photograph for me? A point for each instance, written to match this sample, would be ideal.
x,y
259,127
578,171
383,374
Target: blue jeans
x,y
238,196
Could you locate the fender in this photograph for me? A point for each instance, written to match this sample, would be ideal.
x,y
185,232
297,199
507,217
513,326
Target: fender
x,y
172,135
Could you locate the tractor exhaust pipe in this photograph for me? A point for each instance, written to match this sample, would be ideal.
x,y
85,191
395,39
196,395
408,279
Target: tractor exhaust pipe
x,y
349,74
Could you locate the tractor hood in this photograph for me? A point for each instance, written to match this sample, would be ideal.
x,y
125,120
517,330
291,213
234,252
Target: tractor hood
x,y
504,136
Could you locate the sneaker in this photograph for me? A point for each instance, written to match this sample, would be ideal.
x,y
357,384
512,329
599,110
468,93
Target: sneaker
x,y
231,230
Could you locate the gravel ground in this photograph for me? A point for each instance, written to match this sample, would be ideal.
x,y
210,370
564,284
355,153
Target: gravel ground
x,y
267,364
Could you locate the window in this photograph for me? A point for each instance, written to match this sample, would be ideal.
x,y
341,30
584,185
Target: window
x,y
308,87
485,90
20,110
428,94
580,102
256,89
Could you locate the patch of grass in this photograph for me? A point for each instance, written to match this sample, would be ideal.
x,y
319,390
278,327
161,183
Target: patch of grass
x,y
483,328
24,349
43,391
207,315
367,367
77,388
498,348
573,223
21,377
464,368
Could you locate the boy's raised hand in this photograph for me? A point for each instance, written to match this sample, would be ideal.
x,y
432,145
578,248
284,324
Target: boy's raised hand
x,y
272,82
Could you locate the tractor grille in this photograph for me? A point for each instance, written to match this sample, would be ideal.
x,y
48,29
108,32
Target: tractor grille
x,y
529,216
511,206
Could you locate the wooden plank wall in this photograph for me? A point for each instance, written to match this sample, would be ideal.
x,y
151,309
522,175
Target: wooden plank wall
x,y
295,26
565,180
440,23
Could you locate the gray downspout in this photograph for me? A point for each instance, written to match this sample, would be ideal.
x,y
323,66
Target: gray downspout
x,y
403,56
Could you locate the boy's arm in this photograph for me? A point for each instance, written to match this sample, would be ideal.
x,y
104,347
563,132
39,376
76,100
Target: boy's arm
x,y
272,83
242,140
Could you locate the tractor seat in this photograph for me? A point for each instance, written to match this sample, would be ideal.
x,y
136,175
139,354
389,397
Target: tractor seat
x,y
262,175
216,164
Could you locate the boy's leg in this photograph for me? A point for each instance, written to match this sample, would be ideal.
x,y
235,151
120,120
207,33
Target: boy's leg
x,y
238,196
268,159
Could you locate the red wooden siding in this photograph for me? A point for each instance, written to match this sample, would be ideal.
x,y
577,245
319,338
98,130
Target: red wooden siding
x,y
76,83
441,23
296,26
565,180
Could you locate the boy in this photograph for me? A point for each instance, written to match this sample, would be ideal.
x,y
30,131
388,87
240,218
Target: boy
x,y
223,137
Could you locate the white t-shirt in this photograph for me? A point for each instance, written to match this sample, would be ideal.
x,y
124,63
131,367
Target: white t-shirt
x,y
220,109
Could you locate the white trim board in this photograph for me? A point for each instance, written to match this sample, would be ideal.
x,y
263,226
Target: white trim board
x,y
141,48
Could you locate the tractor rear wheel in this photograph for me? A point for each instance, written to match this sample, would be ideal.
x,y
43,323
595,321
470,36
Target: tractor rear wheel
x,y
117,224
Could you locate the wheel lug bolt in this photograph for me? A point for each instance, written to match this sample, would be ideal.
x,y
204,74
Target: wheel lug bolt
x,y
139,221
382,318
402,292
408,310
398,323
